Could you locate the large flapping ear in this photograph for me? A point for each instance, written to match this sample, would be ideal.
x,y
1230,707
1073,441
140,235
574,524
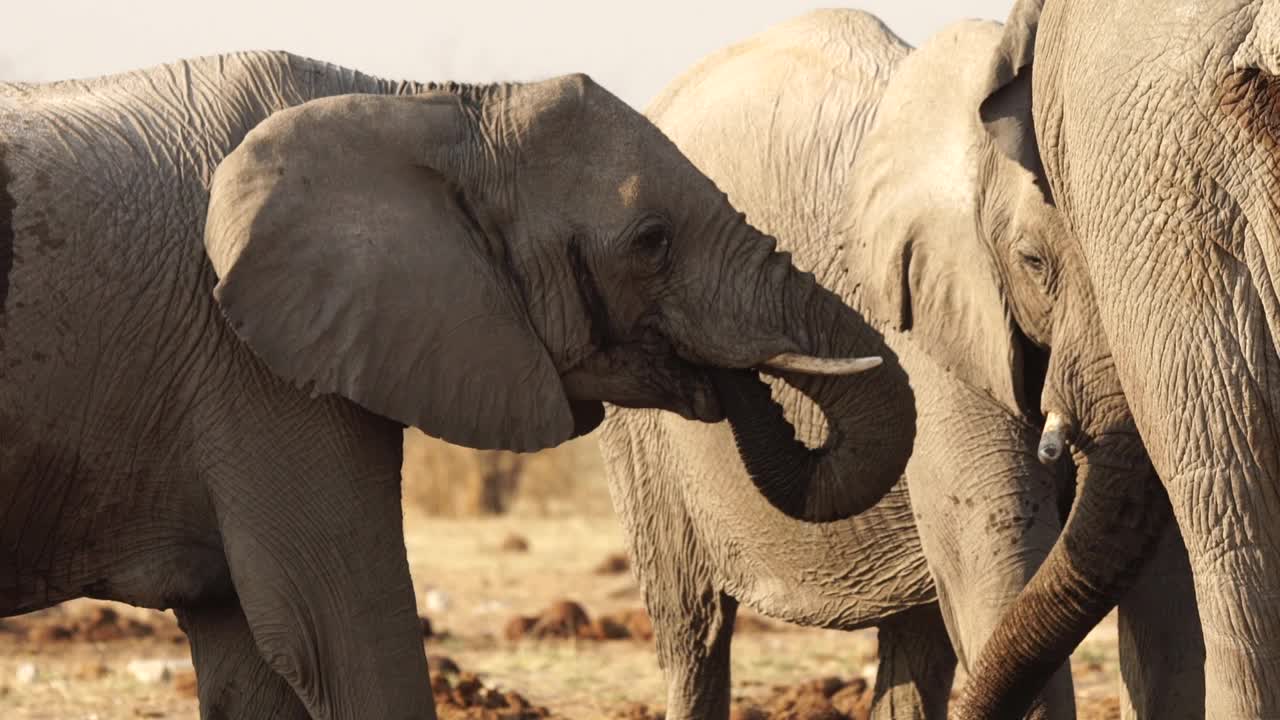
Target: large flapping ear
x,y
351,259
914,246
1006,107
1017,45
940,286
1261,47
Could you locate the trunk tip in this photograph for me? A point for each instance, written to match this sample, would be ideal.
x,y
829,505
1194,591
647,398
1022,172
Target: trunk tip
x,y
1053,439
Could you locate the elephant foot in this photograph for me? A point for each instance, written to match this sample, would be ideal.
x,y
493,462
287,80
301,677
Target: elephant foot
x,y
233,680
917,666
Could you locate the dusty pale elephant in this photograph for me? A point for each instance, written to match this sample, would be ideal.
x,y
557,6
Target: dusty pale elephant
x,y
488,263
1156,138
870,165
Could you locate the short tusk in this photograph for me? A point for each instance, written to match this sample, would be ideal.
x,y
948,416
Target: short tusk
x,y
822,366
1053,439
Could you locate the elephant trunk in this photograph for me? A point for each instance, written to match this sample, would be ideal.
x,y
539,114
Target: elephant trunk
x,y
1116,522
870,416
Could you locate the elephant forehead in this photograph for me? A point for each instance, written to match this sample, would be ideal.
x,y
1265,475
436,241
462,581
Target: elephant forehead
x,y
921,149
629,190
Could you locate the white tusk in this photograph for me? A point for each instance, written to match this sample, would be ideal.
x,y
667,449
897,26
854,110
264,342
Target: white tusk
x,y
1053,439
822,366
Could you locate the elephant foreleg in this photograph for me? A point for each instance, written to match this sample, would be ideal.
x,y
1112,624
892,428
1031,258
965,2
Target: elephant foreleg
x,y
1161,648
233,680
917,666
313,534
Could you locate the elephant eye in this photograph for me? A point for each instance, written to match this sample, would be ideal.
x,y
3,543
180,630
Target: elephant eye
x,y
652,246
1035,263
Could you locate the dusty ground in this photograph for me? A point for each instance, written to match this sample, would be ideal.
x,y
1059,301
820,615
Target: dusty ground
x,y
472,579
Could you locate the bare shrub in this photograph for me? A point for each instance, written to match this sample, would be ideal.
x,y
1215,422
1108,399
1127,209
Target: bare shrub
x,y
452,481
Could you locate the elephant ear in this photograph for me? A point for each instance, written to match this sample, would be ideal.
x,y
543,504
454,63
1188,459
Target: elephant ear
x,y
915,246
351,259
1016,49
1006,107
937,282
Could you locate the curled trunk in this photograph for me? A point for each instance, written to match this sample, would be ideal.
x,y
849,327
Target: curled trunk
x,y
1119,515
870,416
1116,521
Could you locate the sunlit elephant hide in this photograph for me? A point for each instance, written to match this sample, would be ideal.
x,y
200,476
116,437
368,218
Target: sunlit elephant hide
x,y
229,283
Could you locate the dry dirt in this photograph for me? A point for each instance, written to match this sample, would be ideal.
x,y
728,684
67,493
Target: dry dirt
x,y
75,662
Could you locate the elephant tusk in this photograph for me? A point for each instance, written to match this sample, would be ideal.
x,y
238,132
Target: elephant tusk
x,y
822,366
1052,439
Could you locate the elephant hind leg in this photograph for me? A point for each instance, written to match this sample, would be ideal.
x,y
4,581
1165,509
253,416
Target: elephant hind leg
x,y
1161,645
693,638
917,667
234,681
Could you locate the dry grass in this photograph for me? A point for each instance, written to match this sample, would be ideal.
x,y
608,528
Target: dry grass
x,y
450,481
469,587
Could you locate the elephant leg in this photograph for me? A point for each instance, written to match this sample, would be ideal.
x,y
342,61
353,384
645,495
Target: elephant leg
x,y
1161,648
312,528
917,667
234,681
693,635
692,619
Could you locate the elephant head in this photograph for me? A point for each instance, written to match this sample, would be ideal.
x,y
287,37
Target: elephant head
x,y
985,263
490,264
951,242
952,176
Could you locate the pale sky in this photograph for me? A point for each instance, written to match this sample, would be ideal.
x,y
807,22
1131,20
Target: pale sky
x,y
632,48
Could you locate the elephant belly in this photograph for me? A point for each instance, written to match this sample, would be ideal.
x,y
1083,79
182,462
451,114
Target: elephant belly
x,y
117,524
143,565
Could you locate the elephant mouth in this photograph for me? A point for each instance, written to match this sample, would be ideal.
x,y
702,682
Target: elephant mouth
x,y
635,377
696,398
704,401
802,414
651,374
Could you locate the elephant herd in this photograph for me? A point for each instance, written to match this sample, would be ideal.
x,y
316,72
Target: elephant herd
x,y
972,342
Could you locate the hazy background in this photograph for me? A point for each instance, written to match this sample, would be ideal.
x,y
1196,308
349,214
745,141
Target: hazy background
x,y
632,48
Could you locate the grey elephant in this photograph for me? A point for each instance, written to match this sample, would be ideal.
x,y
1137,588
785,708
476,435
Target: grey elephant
x,y
227,284
947,143
1155,140
833,138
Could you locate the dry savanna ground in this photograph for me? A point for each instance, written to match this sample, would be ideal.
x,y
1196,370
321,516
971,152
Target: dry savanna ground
x,y
519,571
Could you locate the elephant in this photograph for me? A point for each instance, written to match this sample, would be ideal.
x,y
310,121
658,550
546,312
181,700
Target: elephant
x,y
227,284
863,159
1155,138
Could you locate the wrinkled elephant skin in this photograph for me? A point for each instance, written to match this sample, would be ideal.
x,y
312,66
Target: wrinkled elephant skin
x,y
227,284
